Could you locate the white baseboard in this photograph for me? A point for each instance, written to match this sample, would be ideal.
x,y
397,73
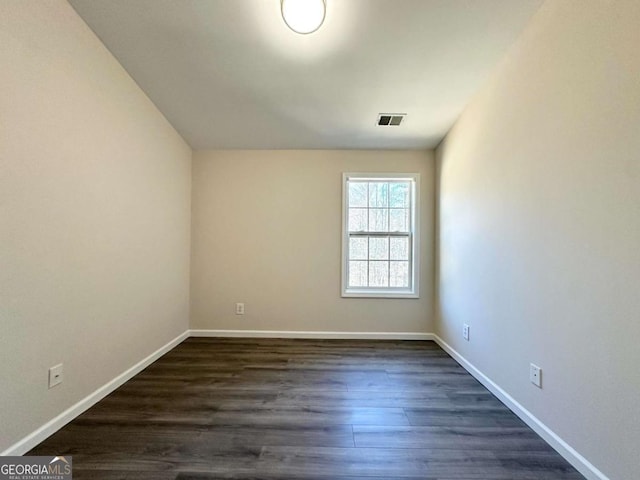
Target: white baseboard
x,y
55,424
562,447
307,334
580,463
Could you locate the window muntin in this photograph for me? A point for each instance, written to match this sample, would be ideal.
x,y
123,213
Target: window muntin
x,y
379,240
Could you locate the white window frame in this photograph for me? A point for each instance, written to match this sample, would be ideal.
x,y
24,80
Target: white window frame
x,y
414,251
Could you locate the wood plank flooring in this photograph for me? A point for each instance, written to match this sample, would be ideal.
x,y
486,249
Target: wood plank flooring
x,y
266,409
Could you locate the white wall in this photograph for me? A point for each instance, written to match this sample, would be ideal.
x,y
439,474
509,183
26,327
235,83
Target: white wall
x,y
266,231
540,227
94,216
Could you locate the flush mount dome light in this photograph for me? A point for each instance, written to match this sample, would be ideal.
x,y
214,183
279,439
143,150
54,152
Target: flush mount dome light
x,y
303,16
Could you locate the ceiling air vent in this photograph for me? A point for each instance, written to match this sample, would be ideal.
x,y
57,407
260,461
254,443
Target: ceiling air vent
x,y
390,119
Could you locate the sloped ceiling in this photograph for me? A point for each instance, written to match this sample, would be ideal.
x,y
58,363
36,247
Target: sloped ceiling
x,y
230,74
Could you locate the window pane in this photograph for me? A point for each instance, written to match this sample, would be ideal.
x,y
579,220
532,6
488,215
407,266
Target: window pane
x,y
357,274
399,220
399,274
399,194
378,220
379,248
378,274
357,248
357,219
399,248
378,194
357,194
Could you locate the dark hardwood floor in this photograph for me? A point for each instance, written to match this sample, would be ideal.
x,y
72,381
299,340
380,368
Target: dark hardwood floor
x,y
304,409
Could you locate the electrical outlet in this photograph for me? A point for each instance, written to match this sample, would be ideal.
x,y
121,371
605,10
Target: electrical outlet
x,y
535,375
465,332
56,375
239,308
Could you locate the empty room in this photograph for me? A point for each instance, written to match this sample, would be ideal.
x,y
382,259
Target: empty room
x,y
319,239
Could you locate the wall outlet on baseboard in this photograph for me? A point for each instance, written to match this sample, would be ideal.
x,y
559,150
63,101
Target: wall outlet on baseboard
x,y
239,308
465,332
535,375
56,375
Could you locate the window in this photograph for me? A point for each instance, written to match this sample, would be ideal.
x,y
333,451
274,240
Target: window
x,y
380,235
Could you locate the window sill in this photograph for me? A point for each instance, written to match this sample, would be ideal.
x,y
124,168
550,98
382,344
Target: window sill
x,y
379,294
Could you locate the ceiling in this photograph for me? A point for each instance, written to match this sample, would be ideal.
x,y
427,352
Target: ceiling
x,y
230,74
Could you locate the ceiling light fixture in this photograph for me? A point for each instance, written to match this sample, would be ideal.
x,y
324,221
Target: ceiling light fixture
x,y
303,16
